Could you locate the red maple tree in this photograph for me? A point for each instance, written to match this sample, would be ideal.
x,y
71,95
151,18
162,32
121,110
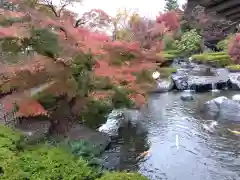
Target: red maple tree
x,y
76,36
234,49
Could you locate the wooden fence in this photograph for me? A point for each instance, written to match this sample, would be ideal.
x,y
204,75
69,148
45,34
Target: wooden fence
x,y
8,118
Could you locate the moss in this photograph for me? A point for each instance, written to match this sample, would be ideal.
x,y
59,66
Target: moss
x,y
220,59
122,176
166,72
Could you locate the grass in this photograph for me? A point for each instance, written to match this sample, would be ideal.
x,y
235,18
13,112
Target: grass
x,y
167,71
220,59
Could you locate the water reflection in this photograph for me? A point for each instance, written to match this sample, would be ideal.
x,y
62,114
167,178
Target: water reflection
x,y
199,153
124,150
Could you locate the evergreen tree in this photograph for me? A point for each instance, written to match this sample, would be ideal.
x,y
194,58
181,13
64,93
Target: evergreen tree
x,y
171,5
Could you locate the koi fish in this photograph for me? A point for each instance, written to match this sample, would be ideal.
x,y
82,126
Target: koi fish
x,y
144,154
234,132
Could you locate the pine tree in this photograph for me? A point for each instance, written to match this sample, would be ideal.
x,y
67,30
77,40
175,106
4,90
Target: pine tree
x,y
171,5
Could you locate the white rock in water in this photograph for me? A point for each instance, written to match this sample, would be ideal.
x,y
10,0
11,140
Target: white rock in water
x,y
113,123
236,97
156,75
220,99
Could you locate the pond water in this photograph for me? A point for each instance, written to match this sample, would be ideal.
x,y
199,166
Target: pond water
x,y
180,144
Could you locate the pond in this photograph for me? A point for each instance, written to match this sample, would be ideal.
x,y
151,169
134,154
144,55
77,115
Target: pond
x,y
180,144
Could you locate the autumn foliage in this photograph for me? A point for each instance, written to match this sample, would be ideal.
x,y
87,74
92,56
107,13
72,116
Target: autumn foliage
x,y
54,61
234,48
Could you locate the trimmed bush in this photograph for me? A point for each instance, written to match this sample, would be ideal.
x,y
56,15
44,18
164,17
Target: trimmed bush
x,y
220,59
233,67
122,176
39,162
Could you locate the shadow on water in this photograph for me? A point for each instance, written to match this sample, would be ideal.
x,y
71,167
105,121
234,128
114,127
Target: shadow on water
x,y
180,145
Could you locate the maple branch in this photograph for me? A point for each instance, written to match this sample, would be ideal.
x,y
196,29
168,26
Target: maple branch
x,y
78,23
50,4
64,31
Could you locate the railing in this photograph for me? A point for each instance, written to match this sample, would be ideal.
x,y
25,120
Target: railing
x,y
9,119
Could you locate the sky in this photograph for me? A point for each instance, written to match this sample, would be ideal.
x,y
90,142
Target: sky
x,y
147,8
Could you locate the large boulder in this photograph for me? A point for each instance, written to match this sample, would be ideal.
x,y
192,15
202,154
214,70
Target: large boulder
x,y
180,81
223,108
201,79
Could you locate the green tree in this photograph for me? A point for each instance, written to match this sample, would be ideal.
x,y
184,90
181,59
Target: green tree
x,y
171,5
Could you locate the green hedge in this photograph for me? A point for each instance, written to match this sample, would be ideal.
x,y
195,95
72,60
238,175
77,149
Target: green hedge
x,y
19,162
171,54
122,176
217,58
234,67
44,161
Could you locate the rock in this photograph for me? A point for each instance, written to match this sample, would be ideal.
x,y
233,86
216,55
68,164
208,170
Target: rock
x,y
234,79
34,129
114,121
164,85
187,97
236,98
199,83
212,106
180,81
98,139
223,109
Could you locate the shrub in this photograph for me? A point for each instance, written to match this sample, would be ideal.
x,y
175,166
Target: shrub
x,y
234,49
120,98
45,162
81,70
144,76
190,42
168,42
122,176
223,44
9,139
39,162
95,111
